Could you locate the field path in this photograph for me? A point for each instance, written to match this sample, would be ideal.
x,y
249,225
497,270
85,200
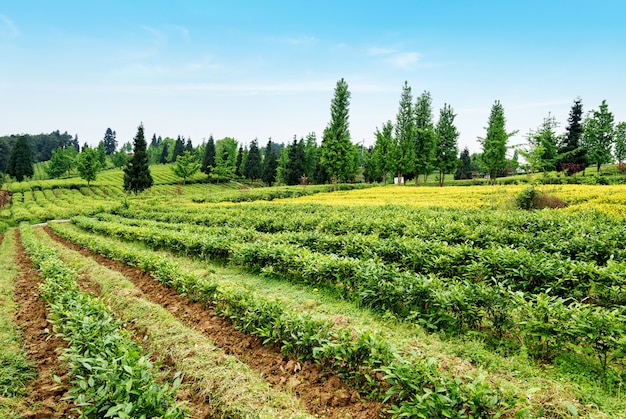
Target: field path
x,y
45,396
324,395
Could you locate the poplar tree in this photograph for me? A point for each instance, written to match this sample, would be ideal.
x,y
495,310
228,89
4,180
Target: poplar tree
x,y
137,175
381,160
336,150
494,144
425,137
620,142
403,149
447,149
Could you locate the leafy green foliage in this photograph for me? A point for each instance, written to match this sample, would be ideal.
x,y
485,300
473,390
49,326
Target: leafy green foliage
x,y
186,166
110,375
494,144
336,150
447,148
357,360
598,135
88,164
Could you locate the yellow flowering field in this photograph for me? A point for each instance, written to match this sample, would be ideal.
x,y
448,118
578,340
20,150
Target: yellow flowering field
x,y
607,198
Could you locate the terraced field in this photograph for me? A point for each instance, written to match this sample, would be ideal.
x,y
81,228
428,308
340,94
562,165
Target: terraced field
x,y
364,303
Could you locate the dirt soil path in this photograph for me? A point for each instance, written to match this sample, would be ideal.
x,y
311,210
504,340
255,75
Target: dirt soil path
x,y
323,394
45,396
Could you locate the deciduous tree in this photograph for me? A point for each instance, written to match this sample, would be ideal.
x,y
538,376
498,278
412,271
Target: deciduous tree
x,y
381,160
60,162
186,166
336,149
88,164
598,135
620,142
447,150
425,137
495,142
403,149
543,145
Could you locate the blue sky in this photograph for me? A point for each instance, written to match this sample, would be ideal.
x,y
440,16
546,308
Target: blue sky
x,y
254,69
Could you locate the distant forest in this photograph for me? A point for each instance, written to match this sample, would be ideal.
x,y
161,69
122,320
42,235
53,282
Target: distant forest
x,y
41,145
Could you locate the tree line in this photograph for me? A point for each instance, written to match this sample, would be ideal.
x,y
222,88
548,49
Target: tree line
x,y
412,147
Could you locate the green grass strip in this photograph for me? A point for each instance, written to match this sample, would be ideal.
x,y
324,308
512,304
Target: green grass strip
x,y
233,389
15,369
110,375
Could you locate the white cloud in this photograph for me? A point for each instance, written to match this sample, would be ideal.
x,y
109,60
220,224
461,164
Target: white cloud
x,y
405,60
8,28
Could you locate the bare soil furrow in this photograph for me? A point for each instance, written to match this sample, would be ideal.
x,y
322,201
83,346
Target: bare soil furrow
x,y
323,394
45,397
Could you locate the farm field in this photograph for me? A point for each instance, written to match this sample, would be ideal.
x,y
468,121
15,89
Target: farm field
x,y
385,301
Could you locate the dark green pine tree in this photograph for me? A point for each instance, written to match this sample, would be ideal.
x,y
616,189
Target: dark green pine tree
x,y
74,143
164,154
270,164
154,142
137,175
572,157
253,168
179,148
189,146
20,164
5,150
296,163
208,160
239,161
465,167
110,143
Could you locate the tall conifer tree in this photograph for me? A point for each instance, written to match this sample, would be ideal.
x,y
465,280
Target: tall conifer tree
x,y
208,160
20,164
137,175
